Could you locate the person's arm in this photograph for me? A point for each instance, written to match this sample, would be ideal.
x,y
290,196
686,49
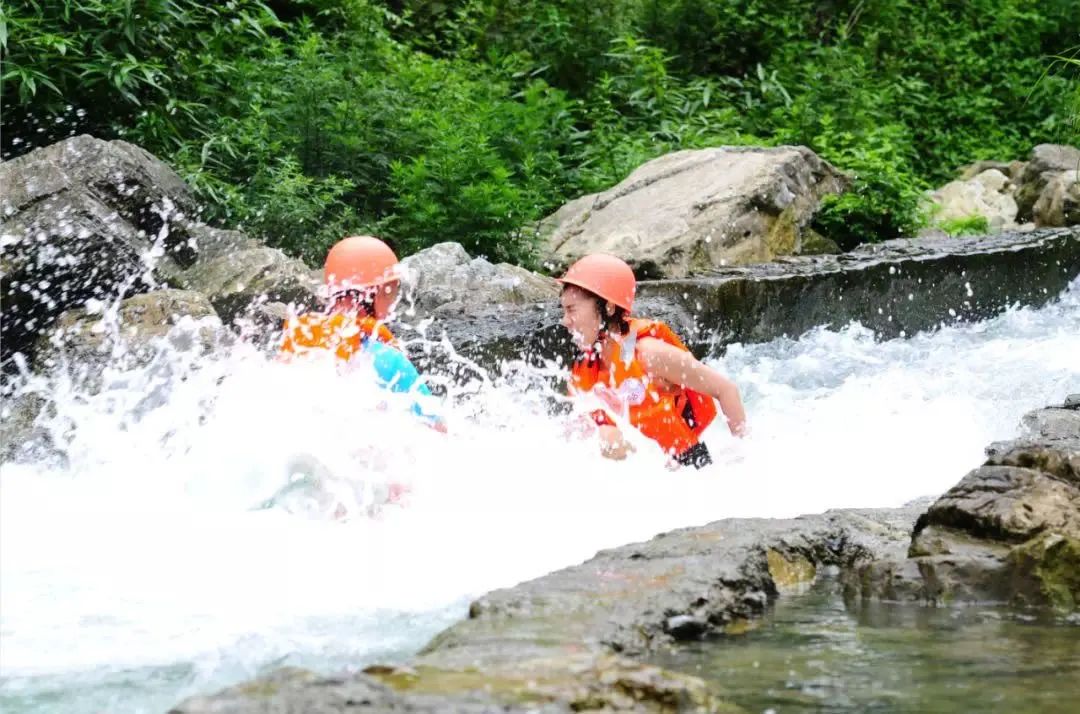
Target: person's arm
x,y
612,443
680,367
396,372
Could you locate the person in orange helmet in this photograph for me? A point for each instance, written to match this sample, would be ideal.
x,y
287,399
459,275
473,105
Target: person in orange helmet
x,y
360,275
640,368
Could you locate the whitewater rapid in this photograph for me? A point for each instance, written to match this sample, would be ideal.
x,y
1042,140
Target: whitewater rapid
x,y
140,571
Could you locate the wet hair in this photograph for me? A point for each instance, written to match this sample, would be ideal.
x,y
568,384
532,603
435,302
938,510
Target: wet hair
x,y
364,300
618,321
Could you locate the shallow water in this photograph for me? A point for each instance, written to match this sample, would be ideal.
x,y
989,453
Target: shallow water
x,y
814,653
138,572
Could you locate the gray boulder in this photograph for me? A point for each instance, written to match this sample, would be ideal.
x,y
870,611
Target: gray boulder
x,y
690,211
85,218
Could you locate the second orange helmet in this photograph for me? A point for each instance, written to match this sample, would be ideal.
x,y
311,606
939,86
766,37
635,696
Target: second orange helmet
x,y
359,262
603,275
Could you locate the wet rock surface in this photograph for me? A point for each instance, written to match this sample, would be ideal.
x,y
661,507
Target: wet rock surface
x,y
84,342
572,684
1009,531
82,219
568,641
894,288
21,438
688,583
159,331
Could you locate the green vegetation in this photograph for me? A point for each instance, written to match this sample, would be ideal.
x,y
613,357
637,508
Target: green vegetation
x,y
468,120
968,225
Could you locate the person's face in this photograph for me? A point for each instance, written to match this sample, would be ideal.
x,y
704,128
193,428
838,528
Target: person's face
x,y
385,298
581,317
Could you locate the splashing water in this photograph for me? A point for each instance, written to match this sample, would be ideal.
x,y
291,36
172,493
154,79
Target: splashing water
x,y
142,570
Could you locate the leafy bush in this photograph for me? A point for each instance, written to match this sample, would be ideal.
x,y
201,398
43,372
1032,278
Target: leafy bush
x,y
968,225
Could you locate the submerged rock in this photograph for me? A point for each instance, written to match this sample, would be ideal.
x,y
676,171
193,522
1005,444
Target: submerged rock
x,y
563,685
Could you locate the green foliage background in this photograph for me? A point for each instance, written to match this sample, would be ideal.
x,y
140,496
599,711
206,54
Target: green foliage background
x,y
468,120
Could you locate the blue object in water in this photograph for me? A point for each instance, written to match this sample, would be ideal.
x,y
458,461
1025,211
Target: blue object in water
x,y
395,372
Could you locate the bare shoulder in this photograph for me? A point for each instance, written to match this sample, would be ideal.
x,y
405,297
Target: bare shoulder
x,y
653,351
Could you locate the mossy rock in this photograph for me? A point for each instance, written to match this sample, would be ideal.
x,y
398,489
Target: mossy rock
x,y
789,571
1045,572
582,683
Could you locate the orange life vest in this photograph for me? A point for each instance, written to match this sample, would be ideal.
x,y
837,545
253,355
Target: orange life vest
x,y
671,415
339,332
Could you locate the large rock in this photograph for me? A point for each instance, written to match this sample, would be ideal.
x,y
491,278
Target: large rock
x,y
1009,531
988,194
82,218
86,341
1047,161
690,211
238,281
687,584
483,311
443,279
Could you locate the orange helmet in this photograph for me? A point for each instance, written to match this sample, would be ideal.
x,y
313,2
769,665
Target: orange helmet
x,y
604,275
359,262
